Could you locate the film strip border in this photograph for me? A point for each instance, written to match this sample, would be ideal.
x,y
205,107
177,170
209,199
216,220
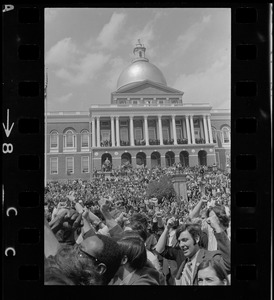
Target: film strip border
x,y
23,152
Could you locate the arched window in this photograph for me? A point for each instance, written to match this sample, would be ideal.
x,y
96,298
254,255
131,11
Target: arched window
x,y
84,139
54,140
70,140
226,135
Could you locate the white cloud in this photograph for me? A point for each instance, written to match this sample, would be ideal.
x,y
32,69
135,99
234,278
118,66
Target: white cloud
x,y
109,32
85,71
185,40
210,86
62,53
64,99
72,65
147,35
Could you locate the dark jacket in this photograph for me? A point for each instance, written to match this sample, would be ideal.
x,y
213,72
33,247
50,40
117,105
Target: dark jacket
x,y
144,276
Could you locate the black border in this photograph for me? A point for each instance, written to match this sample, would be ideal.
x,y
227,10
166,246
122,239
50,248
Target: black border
x,y
245,179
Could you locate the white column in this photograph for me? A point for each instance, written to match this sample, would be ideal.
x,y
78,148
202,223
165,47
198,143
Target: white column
x,y
112,132
146,130
98,133
209,129
174,130
93,132
188,131
160,129
205,129
131,131
117,132
192,129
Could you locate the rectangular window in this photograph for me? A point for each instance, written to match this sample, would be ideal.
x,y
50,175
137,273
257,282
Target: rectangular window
x,y
178,122
174,101
197,133
151,133
85,137
124,134
53,165
165,133
105,135
138,134
179,132
70,165
85,164
123,102
70,140
196,123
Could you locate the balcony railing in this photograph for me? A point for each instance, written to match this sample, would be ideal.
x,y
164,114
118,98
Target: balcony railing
x,y
168,142
106,143
124,143
154,142
139,142
200,141
182,141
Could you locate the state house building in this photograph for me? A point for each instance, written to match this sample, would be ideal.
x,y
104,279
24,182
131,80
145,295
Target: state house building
x,y
147,123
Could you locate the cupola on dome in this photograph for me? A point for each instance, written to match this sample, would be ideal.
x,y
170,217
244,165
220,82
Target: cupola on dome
x,y
140,69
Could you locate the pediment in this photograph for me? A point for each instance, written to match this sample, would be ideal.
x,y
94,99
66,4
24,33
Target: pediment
x,y
147,87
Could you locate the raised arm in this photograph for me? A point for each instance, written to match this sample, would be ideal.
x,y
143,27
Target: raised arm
x,y
51,243
161,245
196,210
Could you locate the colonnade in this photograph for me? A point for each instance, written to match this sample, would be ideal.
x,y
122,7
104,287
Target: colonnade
x,y
115,129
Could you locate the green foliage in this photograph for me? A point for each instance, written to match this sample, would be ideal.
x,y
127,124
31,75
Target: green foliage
x,y
161,188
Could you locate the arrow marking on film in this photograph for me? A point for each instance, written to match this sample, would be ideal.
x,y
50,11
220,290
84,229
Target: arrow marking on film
x,y
8,130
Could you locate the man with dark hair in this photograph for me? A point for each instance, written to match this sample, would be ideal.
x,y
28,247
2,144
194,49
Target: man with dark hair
x,y
189,254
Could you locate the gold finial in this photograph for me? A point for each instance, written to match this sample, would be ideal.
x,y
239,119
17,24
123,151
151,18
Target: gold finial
x,y
139,41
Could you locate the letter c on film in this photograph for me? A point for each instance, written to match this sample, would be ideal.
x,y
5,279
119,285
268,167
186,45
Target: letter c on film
x,y
11,208
10,249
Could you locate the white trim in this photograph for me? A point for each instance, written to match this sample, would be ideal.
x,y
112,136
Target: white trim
x,y
54,149
69,150
74,141
85,131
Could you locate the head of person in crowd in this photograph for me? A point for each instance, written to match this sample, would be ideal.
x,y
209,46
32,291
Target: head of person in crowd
x,y
220,213
134,254
189,237
138,228
211,272
54,276
93,262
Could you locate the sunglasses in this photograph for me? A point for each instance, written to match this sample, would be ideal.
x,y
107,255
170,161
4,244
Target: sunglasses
x,y
83,253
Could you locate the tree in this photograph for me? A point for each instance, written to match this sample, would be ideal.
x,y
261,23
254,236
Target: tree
x,y
161,188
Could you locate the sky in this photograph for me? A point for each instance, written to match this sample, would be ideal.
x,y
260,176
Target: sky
x,y
86,49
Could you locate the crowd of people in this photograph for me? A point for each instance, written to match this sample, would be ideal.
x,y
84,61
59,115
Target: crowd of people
x,y
109,231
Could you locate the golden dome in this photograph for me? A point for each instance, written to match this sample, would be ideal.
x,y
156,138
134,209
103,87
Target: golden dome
x,y
140,69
